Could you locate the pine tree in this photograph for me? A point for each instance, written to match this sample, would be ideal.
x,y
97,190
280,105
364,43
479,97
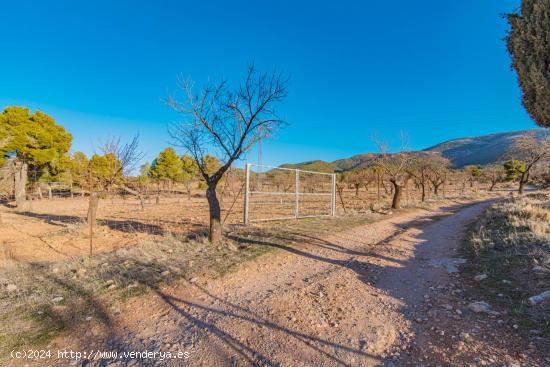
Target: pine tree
x,y
37,141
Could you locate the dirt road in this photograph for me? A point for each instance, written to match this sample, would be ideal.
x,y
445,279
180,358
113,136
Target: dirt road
x,y
381,294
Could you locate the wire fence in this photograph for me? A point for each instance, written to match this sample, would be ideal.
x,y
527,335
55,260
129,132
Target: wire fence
x,y
276,193
54,224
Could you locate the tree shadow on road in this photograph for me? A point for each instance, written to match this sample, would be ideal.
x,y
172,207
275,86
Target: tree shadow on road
x,y
247,317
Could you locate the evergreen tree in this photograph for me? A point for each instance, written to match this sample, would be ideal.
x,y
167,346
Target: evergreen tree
x,y
529,45
190,172
80,173
167,166
103,171
35,138
38,143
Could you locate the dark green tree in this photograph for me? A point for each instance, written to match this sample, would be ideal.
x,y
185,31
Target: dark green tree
x,y
167,166
191,171
80,173
36,140
529,45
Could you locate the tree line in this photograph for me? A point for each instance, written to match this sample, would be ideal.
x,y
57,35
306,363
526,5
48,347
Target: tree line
x,y
169,168
527,160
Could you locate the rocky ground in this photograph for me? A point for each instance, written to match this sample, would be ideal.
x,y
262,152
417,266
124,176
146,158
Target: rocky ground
x,y
382,294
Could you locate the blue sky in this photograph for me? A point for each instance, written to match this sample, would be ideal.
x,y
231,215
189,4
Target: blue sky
x,y
435,70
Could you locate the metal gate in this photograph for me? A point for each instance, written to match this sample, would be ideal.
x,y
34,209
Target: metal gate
x,y
277,193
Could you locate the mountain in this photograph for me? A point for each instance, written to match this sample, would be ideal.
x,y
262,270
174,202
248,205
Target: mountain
x,y
462,152
316,166
482,149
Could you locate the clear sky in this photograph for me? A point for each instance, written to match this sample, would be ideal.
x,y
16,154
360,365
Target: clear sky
x,y
435,69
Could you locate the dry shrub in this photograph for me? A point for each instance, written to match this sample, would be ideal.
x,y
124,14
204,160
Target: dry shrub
x,y
511,244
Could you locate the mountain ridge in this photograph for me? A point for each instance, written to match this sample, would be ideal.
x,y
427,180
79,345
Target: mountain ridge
x,y
464,151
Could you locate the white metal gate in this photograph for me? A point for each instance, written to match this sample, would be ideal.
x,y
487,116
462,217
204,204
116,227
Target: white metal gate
x,y
285,193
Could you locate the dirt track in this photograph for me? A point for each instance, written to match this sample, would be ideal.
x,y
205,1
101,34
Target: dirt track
x,y
381,294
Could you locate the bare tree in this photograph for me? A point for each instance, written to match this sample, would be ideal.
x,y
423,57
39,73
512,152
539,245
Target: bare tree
x,y
438,168
227,121
420,170
529,150
360,177
494,173
463,177
396,167
125,157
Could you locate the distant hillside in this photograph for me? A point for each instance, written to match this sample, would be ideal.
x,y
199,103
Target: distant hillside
x,y
317,166
462,152
480,150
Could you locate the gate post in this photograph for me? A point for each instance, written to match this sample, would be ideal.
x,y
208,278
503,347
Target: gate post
x,y
333,196
246,193
297,194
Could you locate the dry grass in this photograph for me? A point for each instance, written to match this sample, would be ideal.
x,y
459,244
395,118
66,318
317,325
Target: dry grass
x,y
54,230
31,315
511,244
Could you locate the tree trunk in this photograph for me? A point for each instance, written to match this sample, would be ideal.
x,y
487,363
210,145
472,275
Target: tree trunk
x,y
340,191
396,202
378,187
436,189
521,183
423,186
215,235
188,191
492,185
50,192
356,189
20,183
40,196
158,192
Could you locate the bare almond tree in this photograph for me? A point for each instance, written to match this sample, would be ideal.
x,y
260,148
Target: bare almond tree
x,y
227,122
438,167
396,168
125,157
495,173
529,150
360,177
420,170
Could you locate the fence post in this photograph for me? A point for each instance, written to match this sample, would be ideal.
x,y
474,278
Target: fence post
x,y
333,196
92,210
246,193
297,195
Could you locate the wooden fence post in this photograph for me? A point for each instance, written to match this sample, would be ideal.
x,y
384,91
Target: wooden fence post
x,y
92,211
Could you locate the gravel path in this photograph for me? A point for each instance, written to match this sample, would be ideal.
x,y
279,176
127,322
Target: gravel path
x,y
372,296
